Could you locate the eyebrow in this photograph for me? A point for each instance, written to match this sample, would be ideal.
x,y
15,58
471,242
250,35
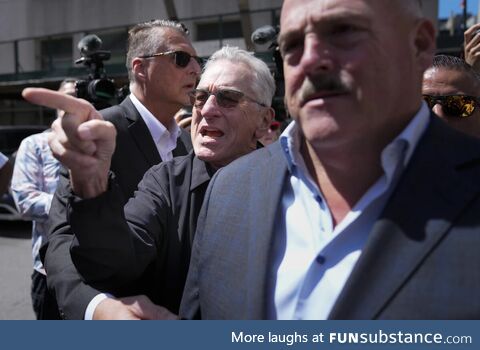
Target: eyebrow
x,y
346,16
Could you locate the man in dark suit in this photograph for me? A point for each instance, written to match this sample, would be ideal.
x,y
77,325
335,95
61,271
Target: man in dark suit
x,y
367,207
231,112
162,69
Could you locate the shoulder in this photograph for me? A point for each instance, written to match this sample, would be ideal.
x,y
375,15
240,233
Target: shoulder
x,y
177,167
254,164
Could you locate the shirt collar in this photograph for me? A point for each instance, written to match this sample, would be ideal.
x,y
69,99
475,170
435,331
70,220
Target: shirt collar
x,y
157,129
201,172
401,146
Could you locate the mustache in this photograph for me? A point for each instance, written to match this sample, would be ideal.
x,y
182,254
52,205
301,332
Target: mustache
x,y
323,83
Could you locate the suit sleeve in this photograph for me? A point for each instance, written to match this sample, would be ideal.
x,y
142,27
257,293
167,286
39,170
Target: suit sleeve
x,y
113,244
70,291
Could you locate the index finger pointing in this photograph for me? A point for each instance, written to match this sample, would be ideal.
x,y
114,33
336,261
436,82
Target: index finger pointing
x,y
58,100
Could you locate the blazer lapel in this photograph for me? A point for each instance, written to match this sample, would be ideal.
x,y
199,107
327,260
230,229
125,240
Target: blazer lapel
x,y
140,133
266,197
432,193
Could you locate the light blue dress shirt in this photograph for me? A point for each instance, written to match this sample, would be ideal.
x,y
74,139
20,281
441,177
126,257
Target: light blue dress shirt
x,y
312,258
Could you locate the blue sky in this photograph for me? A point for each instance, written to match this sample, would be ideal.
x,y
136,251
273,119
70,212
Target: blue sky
x,y
446,6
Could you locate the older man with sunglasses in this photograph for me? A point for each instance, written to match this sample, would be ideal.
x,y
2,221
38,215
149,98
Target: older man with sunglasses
x,y
231,111
162,68
451,88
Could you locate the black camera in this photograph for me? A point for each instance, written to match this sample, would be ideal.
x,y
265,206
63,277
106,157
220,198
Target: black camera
x,y
98,88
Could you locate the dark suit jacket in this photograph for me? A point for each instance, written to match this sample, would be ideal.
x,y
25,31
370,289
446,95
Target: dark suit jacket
x,y
134,154
421,260
162,218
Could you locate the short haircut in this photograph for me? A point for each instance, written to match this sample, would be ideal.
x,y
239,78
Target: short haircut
x,y
263,84
455,63
143,39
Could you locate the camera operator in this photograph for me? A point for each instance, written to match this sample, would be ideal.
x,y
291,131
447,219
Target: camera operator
x,y
162,69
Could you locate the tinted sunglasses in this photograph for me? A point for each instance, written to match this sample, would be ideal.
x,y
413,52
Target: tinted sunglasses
x,y
225,98
181,58
461,106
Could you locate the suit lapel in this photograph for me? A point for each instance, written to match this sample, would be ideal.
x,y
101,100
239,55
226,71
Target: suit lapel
x,y
264,204
140,133
432,193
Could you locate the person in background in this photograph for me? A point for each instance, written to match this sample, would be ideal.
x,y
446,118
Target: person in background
x,y
231,112
35,178
451,88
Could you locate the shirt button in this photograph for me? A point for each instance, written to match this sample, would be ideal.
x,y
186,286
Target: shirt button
x,y
320,259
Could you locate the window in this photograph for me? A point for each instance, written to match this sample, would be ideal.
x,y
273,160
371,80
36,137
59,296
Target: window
x,y
218,30
56,53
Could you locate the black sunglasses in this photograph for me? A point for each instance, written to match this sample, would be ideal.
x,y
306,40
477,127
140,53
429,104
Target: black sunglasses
x,y
181,58
225,98
461,106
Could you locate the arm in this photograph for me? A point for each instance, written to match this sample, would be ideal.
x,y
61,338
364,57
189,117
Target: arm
x,y
73,294
29,187
136,230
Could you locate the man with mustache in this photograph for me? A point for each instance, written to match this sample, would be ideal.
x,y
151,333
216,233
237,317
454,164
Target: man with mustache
x,y
367,207
231,111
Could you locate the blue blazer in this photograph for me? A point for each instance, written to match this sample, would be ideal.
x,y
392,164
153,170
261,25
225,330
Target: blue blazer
x,y
421,260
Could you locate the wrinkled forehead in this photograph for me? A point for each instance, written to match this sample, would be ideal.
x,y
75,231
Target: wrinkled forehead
x,y
299,15
226,74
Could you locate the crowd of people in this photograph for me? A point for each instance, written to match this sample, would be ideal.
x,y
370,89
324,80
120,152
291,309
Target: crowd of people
x,y
188,200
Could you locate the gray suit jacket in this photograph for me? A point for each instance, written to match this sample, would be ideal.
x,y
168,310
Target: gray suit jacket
x,y
421,260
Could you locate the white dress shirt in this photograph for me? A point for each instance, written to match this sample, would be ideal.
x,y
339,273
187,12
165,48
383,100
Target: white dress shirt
x,y
312,258
165,139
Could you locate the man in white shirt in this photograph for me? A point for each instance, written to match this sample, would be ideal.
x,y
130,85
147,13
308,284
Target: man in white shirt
x,y
367,207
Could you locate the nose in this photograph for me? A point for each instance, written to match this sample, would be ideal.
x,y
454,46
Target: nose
x,y
210,108
317,55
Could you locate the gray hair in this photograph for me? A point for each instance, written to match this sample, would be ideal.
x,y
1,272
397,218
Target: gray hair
x,y
263,84
143,39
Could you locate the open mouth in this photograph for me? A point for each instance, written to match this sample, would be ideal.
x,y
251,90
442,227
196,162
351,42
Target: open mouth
x,y
211,132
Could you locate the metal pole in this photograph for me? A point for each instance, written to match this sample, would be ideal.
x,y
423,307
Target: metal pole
x,y
464,15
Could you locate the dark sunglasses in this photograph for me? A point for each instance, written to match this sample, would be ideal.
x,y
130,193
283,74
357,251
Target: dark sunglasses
x,y
181,58
461,106
225,98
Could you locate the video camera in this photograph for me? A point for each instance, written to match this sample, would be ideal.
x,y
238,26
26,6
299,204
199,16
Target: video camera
x,y
268,35
97,88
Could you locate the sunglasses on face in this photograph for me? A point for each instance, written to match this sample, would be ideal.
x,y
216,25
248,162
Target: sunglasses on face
x,y
225,98
461,106
181,58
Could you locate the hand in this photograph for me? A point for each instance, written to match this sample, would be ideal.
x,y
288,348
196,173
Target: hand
x,y
472,46
137,307
80,139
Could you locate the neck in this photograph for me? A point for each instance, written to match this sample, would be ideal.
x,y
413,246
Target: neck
x,y
162,111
